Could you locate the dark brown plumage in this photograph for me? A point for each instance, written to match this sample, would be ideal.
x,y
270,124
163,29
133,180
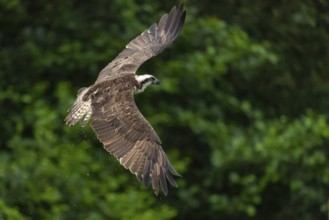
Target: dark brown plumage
x,y
148,44
116,120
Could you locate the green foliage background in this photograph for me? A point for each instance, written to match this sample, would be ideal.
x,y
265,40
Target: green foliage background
x,y
242,110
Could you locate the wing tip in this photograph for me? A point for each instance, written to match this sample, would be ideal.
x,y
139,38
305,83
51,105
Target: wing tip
x,y
159,180
171,24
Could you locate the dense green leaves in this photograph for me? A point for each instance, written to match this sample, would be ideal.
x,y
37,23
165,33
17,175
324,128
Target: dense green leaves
x,y
241,110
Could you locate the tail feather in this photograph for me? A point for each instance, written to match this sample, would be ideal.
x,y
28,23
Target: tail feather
x,y
86,118
80,109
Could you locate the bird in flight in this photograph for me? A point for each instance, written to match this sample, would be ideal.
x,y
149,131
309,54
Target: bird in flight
x,y
116,119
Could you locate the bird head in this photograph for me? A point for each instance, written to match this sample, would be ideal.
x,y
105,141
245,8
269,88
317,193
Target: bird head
x,y
146,80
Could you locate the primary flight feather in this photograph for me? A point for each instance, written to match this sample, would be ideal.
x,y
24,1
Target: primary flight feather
x,y
116,120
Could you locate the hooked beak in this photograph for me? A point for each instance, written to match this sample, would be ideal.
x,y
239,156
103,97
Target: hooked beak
x,y
156,82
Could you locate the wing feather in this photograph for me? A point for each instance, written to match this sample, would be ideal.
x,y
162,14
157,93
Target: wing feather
x,y
135,163
149,43
146,174
129,158
127,135
163,180
155,178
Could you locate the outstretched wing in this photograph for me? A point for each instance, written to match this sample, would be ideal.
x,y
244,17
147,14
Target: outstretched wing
x,y
150,43
127,135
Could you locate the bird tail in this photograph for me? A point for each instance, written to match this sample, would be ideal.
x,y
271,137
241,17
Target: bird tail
x,y
80,110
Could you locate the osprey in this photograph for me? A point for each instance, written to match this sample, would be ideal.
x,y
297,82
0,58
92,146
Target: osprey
x,y
116,120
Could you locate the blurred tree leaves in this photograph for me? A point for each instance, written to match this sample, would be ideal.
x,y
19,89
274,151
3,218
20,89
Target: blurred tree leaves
x,y
242,110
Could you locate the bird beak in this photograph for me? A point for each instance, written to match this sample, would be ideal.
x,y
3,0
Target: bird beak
x,y
156,82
